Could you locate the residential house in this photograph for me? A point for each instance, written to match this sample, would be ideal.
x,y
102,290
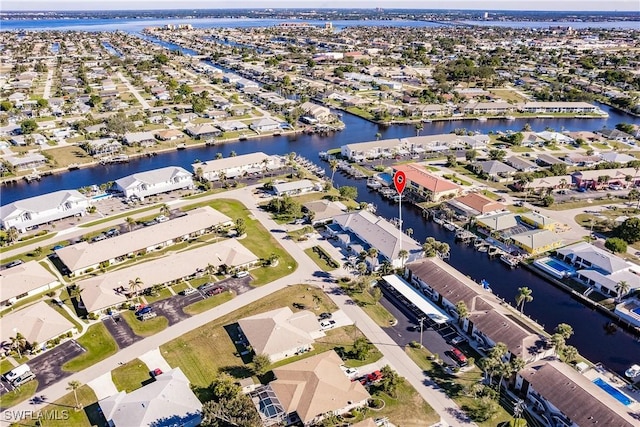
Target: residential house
x,y
84,257
150,183
491,108
564,396
539,184
281,333
361,151
600,269
377,232
323,211
598,178
496,222
425,186
167,400
169,134
27,213
293,188
617,135
232,126
548,160
25,280
558,107
495,170
579,159
233,167
26,161
615,157
38,323
316,112
520,164
538,220
203,131
309,389
536,242
488,322
474,204
265,125
143,139
103,146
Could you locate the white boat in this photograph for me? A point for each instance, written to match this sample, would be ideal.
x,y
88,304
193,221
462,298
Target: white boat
x,y
373,183
449,226
509,260
481,119
633,371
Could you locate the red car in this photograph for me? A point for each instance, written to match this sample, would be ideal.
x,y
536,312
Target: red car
x,y
459,357
374,376
156,372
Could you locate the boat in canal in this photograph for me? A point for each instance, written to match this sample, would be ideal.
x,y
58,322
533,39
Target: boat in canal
x,y
633,372
510,260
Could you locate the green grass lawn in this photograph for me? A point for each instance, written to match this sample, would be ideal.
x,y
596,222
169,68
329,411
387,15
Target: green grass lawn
x,y
205,351
208,303
26,242
320,262
5,366
18,395
72,417
179,287
296,234
130,376
374,309
584,203
520,149
163,293
490,195
122,215
99,345
258,240
145,328
455,386
407,408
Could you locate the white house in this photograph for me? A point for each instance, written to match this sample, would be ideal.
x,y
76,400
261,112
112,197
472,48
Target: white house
x,y
154,182
232,167
27,213
294,187
265,125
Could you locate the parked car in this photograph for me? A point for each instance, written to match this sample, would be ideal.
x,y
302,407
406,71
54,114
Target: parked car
x,y
149,315
350,372
328,324
148,223
143,311
99,237
374,376
457,340
113,232
188,291
459,357
215,291
15,263
242,273
156,372
162,218
325,316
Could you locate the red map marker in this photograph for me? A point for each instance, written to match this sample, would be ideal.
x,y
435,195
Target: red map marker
x,y
399,181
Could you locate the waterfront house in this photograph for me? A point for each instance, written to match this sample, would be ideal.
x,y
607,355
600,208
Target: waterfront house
x,y
600,269
169,134
490,108
25,280
293,188
538,220
560,395
500,221
102,146
203,131
167,400
629,311
233,167
85,257
281,333
157,181
377,232
28,213
309,389
535,242
26,161
143,139
38,323
361,151
558,107
323,211
495,170
232,126
110,289
265,125
316,112
489,321
474,204
426,186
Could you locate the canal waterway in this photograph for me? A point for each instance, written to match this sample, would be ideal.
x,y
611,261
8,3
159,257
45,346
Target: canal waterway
x,y
550,305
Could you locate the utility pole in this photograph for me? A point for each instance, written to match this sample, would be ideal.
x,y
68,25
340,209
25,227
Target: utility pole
x,y
421,328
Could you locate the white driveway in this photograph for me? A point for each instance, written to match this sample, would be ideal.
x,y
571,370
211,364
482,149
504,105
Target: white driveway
x,y
103,386
153,359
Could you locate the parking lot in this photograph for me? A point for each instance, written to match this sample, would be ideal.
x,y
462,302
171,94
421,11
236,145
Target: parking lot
x,y
120,331
48,366
172,308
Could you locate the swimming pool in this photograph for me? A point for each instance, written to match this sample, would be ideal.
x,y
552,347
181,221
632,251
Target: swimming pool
x,y
386,177
558,265
555,267
636,310
614,392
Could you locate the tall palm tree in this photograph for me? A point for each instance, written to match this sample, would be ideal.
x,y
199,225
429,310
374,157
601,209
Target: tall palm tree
x,y
622,288
12,234
218,156
524,296
130,222
419,127
333,164
211,270
403,254
74,386
18,343
135,286
372,253
165,210
265,164
409,231
462,311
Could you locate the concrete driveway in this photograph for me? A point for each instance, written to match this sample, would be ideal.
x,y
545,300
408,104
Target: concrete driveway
x,y
120,331
173,308
48,366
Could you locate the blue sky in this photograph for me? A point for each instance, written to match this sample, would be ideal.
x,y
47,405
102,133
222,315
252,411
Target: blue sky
x,y
574,5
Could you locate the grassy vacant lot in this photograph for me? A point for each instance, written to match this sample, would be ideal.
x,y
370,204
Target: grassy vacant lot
x,y
207,350
99,345
145,328
208,303
455,386
258,240
601,200
85,417
64,156
18,395
130,376
508,95
321,262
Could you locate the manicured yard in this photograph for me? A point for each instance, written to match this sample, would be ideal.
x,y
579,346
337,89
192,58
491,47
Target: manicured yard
x,y
130,376
205,351
18,395
521,149
99,345
323,263
296,234
208,303
85,417
145,328
5,366
163,293
26,242
455,386
259,241
407,409
375,310
179,287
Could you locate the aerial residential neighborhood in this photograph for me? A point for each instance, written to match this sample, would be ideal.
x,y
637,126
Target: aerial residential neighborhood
x,y
314,217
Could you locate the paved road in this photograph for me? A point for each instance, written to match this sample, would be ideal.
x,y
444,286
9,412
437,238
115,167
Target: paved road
x,y
47,84
134,91
304,274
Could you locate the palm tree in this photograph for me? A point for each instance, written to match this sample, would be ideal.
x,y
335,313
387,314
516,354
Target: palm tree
x,y
462,311
622,288
233,154
570,354
211,270
565,330
409,231
403,254
558,342
378,136
265,163
419,127
135,286
12,234
218,156
164,210
333,164
18,342
372,253
524,296
74,386
130,222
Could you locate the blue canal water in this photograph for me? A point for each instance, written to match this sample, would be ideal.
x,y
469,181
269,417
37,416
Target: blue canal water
x,y
550,306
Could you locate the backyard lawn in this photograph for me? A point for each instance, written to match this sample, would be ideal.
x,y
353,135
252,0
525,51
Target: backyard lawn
x,y
130,376
68,416
207,350
145,328
99,345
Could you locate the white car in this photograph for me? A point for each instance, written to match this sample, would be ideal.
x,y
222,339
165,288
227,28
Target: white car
x,y
162,218
350,372
328,324
241,274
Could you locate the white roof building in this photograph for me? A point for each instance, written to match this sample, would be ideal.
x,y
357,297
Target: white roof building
x,y
237,166
25,280
37,323
167,401
293,187
150,183
26,213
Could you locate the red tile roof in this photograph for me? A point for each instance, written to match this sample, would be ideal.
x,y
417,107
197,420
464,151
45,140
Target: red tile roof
x,y
480,203
419,176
